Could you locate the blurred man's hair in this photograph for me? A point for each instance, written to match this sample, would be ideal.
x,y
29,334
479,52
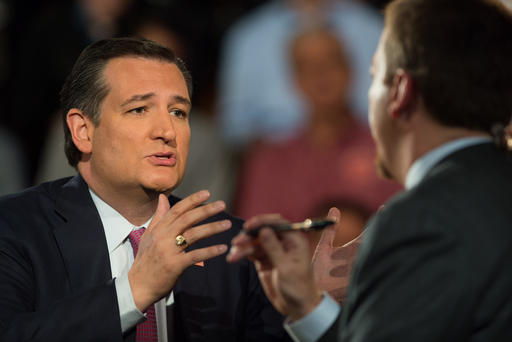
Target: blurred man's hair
x,y
459,54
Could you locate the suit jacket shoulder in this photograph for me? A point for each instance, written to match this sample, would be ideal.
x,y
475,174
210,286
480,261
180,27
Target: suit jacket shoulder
x,y
54,270
432,263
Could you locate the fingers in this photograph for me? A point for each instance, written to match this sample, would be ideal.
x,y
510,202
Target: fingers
x,y
271,245
245,246
327,237
200,232
241,246
262,220
188,203
193,216
161,210
186,213
201,254
329,233
334,213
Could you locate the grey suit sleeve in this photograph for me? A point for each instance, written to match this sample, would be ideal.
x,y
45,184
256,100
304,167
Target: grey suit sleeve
x,y
407,284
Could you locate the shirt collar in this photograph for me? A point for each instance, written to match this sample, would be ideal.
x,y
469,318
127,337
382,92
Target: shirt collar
x,y
421,166
116,227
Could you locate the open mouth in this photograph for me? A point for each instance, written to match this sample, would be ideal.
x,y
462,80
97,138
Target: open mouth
x,y
164,159
164,156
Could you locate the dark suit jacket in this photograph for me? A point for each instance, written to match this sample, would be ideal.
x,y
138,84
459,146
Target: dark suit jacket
x,y
55,278
435,262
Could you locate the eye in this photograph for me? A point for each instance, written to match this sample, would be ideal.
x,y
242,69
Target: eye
x,y
179,113
138,110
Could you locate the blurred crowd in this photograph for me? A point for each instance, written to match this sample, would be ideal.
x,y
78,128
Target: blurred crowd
x,y
279,106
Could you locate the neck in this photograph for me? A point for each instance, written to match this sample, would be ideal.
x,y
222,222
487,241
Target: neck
x,y
137,206
420,142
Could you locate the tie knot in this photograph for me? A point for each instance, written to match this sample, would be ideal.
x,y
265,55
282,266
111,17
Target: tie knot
x,y
134,237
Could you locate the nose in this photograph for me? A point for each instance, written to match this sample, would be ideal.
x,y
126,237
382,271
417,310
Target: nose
x,y
163,127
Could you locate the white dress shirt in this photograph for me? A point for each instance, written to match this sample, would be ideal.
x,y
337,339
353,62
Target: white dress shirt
x,y
117,229
314,325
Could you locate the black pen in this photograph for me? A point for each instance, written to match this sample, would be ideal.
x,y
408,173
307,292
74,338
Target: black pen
x,y
306,225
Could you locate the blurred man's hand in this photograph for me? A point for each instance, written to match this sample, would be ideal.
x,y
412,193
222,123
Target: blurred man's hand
x,y
332,265
283,265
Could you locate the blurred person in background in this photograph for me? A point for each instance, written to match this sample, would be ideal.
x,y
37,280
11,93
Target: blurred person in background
x,y
257,98
331,157
12,173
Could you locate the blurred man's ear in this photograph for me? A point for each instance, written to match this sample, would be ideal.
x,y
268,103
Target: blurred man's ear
x,y
403,95
81,129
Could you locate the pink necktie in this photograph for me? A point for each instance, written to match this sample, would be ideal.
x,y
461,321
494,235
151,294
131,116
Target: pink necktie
x,y
146,331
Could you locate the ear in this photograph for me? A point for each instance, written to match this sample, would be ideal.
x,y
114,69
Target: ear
x,y
402,96
81,129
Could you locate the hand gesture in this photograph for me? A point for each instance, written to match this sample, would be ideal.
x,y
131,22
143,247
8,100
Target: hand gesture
x,y
160,259
283,265
332,265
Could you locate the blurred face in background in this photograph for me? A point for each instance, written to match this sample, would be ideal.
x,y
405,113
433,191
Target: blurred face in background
x,y
320,69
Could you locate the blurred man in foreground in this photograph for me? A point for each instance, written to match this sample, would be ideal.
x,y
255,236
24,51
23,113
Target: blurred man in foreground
x,y
433,264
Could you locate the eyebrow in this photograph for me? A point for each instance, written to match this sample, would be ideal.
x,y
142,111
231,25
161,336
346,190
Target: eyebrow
x,y
142,97
136,98
182,100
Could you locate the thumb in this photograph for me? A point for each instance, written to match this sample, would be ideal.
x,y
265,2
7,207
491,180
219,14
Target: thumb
x,y
328,235
334,213
161,210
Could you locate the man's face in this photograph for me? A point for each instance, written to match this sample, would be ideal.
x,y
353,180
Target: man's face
x,y
143,137
378,96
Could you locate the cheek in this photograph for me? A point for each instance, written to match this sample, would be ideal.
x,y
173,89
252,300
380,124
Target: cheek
x,y
183,137
371,108
377,104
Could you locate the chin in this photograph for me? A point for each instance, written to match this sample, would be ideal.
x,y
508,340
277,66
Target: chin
x,y
382,170
161,185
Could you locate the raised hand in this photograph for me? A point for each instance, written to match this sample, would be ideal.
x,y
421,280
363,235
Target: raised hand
x,y
160,261
332,265
283,265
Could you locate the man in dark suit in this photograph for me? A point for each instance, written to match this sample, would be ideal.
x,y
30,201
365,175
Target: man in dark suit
x,y
67,266
434,262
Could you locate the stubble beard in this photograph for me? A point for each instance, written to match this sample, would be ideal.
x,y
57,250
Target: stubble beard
x,y
382,170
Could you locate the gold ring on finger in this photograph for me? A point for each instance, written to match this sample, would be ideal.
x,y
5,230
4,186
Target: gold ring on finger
x,y
180,241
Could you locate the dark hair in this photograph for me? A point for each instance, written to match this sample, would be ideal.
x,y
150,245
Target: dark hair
x,y
459,54
85,87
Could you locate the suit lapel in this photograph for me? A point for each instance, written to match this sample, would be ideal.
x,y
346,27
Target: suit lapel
x,y
80,236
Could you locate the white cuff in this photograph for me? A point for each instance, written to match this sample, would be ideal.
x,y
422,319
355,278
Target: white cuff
x,y
314,325
128,312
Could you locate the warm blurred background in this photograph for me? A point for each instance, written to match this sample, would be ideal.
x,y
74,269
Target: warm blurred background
x,y
279,119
